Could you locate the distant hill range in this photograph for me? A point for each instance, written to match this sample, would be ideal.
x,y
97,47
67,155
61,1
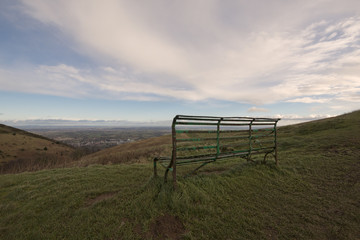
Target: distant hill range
x,y
43,123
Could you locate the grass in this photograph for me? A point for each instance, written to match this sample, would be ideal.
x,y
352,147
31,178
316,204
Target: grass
x,y
23,151
142,151
313,194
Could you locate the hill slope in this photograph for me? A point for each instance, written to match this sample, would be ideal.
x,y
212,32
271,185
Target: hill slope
x,y
141,151
313,194
24,151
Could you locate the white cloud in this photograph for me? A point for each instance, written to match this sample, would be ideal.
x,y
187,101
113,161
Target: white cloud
x,y
109,69
300,50
60,80
257,109
309,100
288,119
302,118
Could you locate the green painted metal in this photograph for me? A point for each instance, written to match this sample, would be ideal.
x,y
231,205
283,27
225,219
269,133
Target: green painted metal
x,y
196,148
197,161
230,136
250,139
263,129
194,139
194,131
196,123
235,144
218,138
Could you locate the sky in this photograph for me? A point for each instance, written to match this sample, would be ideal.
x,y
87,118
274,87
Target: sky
x,y
150,60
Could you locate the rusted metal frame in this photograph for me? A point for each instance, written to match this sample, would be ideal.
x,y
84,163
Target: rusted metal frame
x,y
209,159
276,155
195,139
195,156
242,152
200,158
174,152
194,160
270,120
196,148
160,160
248,119
209,131
233,154
189,117
236,119
211,118
155,169
202,165
164,158
218,138
172,164
195,131
263,124
257,121
197,123
184,161
250,139
209,139
234,131
234,124
274,141
272,152
259,136
237,144
234,137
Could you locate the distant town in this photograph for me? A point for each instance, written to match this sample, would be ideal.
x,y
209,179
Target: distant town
x,y
97,138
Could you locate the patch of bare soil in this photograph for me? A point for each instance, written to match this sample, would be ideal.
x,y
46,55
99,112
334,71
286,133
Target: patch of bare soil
x,y
99,198
166,227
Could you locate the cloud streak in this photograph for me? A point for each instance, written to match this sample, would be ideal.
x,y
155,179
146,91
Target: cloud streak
x,y
203,50
257,109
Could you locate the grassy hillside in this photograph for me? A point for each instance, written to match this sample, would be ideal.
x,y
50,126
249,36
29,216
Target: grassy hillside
x,y
23,151
141,151
313,194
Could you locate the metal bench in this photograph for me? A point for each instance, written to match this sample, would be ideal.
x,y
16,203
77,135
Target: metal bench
x,y
205,139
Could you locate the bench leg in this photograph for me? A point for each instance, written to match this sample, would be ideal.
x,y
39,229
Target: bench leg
x,y
249,158
198,168
264,161
174,176
166,173
155,170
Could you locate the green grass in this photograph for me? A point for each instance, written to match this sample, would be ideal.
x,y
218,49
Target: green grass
x,y
313,194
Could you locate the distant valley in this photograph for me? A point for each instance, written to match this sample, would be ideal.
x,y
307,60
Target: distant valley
x,y
97,138
52,147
